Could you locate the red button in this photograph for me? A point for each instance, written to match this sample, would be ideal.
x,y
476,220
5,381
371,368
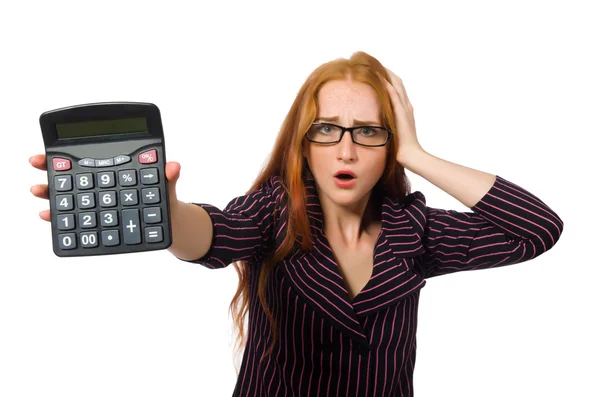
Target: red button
x,y
61,164
147,157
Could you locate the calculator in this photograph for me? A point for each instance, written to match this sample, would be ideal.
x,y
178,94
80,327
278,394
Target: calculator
x,y
106,178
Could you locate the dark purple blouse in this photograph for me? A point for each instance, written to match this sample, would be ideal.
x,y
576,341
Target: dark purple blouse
x,y
329,345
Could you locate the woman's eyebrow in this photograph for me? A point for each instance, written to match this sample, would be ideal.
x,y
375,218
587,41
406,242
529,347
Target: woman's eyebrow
x,y
356,122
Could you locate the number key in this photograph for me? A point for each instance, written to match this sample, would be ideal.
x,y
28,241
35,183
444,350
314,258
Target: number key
x,y
84,181
64,202
87,219
107,198
86,200
106,179
109,218
63,183
65,221
89,239
67,241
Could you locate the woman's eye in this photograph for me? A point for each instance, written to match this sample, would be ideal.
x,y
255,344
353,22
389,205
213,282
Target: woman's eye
x,y
367,131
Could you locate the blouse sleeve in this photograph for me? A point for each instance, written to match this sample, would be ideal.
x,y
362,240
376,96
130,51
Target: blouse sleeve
x,y
244,228
508,225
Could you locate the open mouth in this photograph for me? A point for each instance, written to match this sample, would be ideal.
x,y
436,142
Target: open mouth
x,y
344,177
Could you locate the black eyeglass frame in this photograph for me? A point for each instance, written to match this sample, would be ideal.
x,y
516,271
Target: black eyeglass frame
x,y
351,130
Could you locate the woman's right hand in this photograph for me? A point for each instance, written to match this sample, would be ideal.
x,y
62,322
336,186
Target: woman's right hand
x,y
172,171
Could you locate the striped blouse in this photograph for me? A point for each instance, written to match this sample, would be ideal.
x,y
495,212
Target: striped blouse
x,y
329,345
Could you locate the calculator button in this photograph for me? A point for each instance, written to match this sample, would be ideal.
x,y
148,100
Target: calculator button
x,y
152,215
67,241
86,200
60,164
84,181
110,237
64,202
149,176
129,197
63,183
106,179
107,198
104,163
147,157
154,234
87,162
131,226
121,159
65,221
127,178
87,220
89,239
109,218
150,195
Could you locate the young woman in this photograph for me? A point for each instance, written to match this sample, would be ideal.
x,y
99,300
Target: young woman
x,y
332,248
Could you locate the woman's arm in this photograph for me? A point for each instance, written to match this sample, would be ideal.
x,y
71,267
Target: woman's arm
x,y
215,238
465,184
192,231
508,224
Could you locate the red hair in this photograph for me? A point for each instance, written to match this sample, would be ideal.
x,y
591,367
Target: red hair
x,y
287,162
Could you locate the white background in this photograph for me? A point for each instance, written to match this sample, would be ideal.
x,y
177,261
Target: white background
x,y
509,88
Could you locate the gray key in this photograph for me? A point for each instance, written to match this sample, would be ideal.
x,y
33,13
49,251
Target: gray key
x,y
110,237
87,162
107,198
150,195
64,202
106,179
63,183
149,176
109,218
87,220
104,162
152,215
129,197
65,221
89,239
131,226
121,159
86,200
154,234
127,178
84,181
67,241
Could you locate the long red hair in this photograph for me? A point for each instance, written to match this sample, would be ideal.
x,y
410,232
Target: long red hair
x,y
287,162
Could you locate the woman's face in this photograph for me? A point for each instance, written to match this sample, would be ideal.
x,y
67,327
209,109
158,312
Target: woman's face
x,y
346,102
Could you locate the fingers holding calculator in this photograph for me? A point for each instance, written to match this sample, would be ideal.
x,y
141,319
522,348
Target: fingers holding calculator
x,y
109,187
39,161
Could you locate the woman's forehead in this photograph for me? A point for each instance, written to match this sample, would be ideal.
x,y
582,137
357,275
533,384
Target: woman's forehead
x,y
348,99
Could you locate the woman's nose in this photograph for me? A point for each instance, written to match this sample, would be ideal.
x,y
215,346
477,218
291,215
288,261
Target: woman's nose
x,y
346,147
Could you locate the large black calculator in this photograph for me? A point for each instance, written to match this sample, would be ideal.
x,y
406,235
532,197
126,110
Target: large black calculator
x,y
106,178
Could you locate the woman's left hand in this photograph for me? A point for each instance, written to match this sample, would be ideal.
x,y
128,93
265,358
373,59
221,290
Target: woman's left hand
x,y
405,119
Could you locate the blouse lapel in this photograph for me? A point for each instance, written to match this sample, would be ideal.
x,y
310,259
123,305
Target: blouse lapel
x,y
316,277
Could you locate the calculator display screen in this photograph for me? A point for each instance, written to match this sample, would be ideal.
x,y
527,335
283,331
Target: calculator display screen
x,y
102,127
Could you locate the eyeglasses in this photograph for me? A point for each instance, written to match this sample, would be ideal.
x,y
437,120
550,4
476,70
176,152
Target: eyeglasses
x,y
326,133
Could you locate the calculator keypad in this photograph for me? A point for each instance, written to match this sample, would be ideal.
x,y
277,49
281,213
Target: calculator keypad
x,y
118,204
